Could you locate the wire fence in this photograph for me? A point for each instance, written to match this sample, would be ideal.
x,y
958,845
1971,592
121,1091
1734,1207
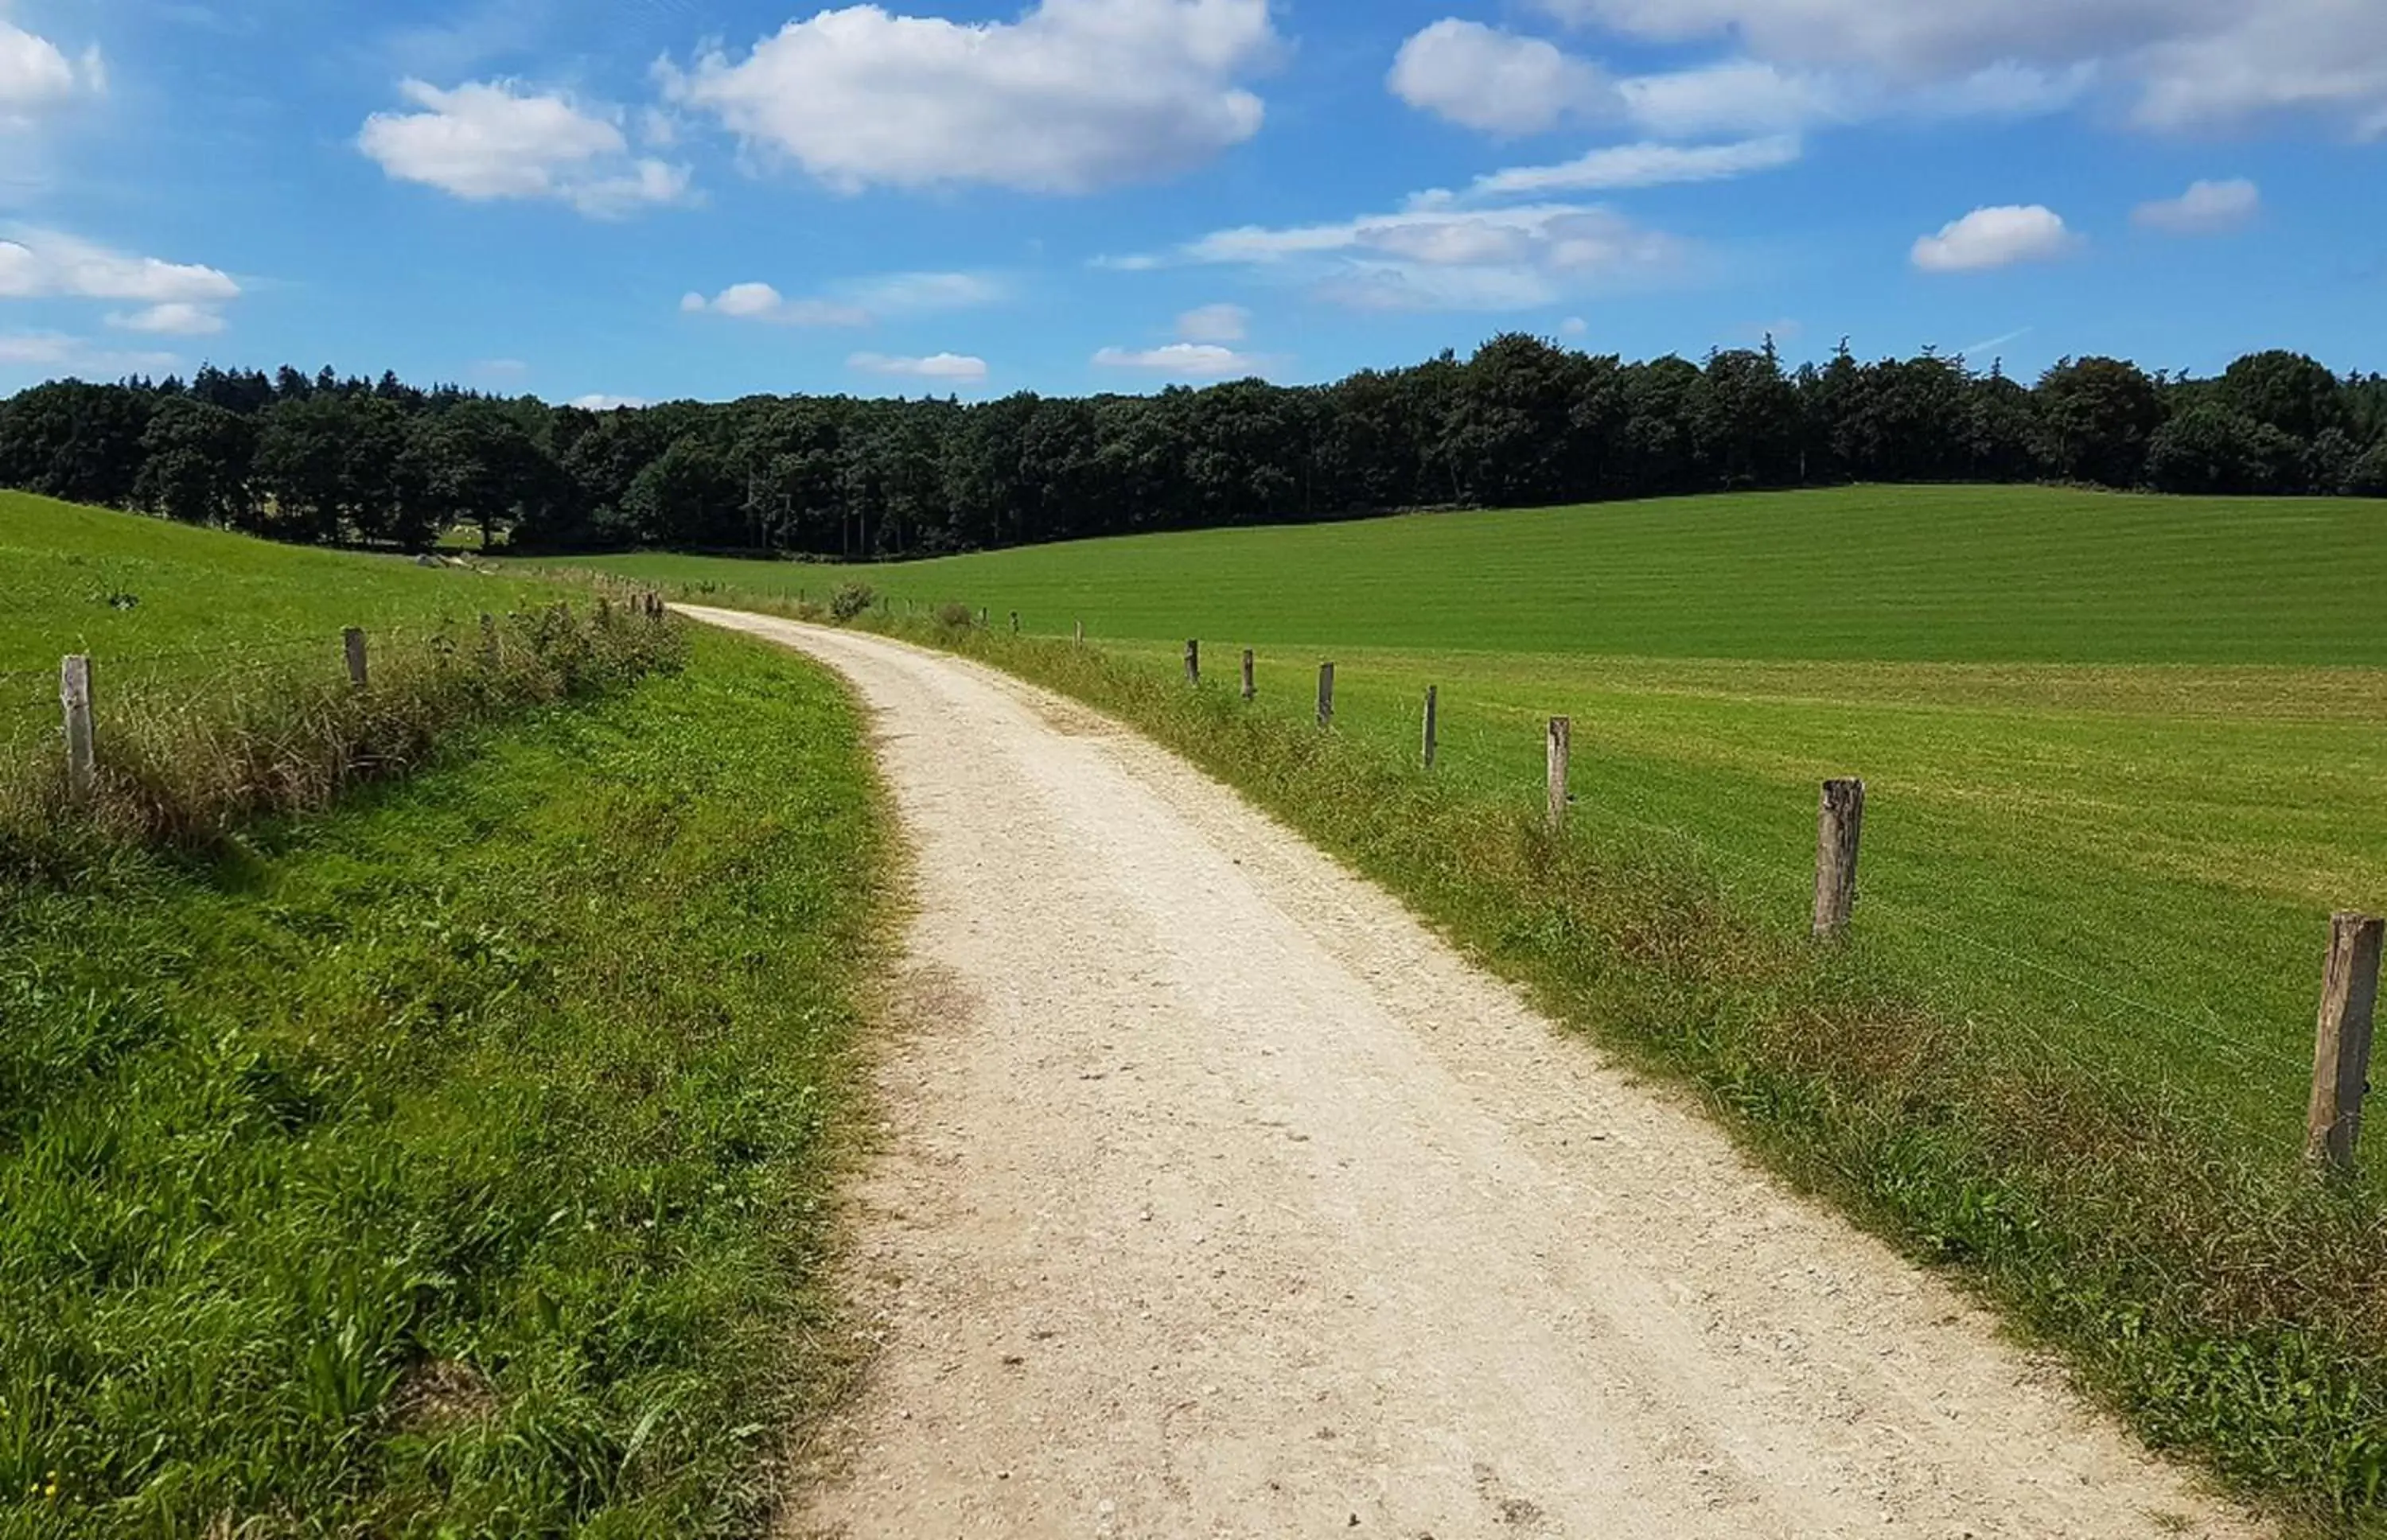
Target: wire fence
x,y
2211,1059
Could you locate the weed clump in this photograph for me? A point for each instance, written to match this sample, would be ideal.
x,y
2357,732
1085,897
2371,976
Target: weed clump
x,y
852,600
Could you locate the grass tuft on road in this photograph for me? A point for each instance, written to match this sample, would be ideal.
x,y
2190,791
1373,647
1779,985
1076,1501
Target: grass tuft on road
x,y
455,1163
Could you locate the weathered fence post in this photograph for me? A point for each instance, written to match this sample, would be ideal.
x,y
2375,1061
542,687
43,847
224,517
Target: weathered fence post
x,y
83,753
1081,633
604,614
2349,995
981,617
1839,827
1193,663
353,642
1251,675
1561,754
1433,723
1326,695
1014,623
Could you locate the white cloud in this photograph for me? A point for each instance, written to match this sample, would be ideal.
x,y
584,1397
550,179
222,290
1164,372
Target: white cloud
x,y
922,293
1574,327
2186,63
762,302
1735,96
47,264
1214,324
1642,166
608,403
1075,96
1437,256
37,78
178,319
945,368
856,303
2207,208
1485,77
75,356
487,141
1995,238
1184,361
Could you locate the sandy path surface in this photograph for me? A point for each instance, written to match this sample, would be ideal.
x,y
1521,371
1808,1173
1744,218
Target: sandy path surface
x,y
1222,1198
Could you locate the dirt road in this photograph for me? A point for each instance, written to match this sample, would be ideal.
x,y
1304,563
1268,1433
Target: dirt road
x,y
1221,1198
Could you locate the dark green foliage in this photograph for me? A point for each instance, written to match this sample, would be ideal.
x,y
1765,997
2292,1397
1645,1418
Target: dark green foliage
x,y
851,599
1522,422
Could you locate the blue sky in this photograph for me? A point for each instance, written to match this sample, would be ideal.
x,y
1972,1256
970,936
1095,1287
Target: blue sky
x,y
647,199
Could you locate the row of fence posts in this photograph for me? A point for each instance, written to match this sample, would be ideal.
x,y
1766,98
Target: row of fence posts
x,y
2350,979
78,694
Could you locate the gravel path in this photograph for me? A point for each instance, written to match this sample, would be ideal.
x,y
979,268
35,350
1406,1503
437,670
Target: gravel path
x,y
1221,1198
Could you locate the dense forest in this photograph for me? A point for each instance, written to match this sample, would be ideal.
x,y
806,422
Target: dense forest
x,y
322,458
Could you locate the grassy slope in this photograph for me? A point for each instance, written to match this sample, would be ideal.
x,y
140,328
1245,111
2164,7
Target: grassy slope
x,y
191,606
1916,574
451,1164
448,1164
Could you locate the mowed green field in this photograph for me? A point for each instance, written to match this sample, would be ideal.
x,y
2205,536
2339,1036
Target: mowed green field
x,y
2124,755
1906,574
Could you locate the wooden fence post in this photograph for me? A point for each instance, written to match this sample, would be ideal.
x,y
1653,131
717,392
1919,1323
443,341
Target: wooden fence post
x,y
604,612
1326,695
83,753
1839,827
353,642
1561,754
1433,723
981,617
1193,663
1014,623
2349,995
1251,675
1081,633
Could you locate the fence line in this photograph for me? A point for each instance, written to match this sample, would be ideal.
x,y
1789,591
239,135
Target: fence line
x,y
2334,1113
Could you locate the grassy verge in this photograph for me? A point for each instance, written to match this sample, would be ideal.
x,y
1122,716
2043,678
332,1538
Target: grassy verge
x,y
453,1163
2224,1301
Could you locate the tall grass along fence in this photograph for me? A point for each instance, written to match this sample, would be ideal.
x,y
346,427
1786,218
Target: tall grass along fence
x,y
2217,1282
176,746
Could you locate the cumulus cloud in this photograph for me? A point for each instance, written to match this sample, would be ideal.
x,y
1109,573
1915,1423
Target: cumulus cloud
x,y
2184,64
857,303
1485,77
1735,96
1215,323
1184,361
487,141
36,77
1995,237
762,302
2207,208
1645,164
178,319
942,367
177,299
78,356
1075,96
601,402
1438,255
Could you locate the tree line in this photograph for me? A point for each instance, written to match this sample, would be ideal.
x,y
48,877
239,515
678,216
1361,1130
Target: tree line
x,y
1522,422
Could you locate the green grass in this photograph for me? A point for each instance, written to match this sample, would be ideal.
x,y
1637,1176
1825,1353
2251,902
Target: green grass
x,y
121,587
2123,757
454,1163
1912,573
